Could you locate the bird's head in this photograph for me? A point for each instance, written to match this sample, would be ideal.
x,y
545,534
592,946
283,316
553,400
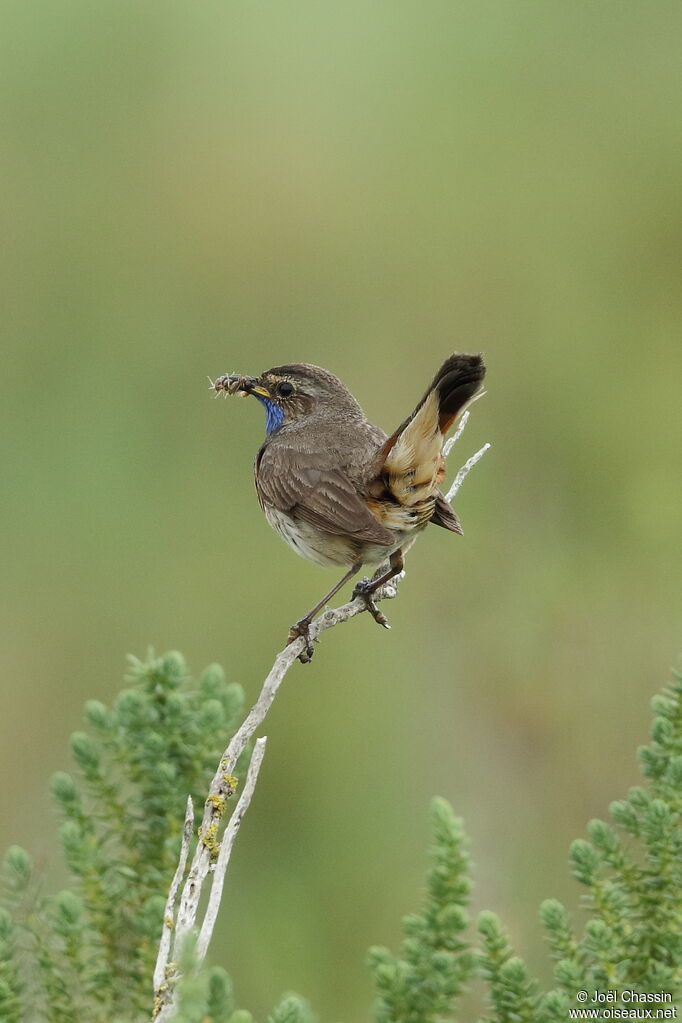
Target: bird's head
x,y
292,393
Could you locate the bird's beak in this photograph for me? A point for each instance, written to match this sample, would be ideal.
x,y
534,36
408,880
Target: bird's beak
x,y
232,384
252,386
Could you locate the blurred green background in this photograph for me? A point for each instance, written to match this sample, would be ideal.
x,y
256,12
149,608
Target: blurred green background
x,y
195,188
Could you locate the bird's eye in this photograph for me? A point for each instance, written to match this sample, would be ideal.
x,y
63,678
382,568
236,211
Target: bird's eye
x,y
285,389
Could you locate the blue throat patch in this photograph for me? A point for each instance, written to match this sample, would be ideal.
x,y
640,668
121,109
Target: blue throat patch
x,y
274,417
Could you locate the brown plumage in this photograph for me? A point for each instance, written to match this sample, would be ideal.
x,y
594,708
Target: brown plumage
x,y
335,487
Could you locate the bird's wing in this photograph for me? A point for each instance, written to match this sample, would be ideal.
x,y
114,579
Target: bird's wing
x,y
290,481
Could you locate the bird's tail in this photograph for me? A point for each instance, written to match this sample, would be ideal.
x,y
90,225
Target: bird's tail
x,y
412,458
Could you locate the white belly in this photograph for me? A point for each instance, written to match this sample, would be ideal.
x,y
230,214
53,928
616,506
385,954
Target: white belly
x,y
308,541
329,549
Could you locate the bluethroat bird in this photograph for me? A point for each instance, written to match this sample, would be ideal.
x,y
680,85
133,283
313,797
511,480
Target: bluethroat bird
x,y
335,487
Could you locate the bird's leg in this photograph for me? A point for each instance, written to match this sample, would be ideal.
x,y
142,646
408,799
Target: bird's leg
x,y
302,626
367,587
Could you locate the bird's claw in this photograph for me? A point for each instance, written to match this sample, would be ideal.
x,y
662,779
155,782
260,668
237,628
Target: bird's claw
x,y
302,629
364,591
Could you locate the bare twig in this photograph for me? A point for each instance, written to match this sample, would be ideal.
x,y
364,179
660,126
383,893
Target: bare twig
x,y
164,944
464,472
210,916
451,441
223,785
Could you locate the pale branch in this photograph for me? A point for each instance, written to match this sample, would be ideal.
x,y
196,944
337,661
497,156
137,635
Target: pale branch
x,y
464,472
211,914
451,441
223,783
165,943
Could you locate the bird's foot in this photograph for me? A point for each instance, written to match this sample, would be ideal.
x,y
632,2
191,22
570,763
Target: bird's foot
x,y
302,629
364,590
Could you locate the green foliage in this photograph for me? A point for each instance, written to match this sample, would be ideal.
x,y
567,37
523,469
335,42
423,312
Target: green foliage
x,y
632,873
513,995
86,954
421,984
10,1002
292,1009
207,996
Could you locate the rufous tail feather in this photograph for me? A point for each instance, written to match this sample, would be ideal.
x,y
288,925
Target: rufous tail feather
x,y
412,457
